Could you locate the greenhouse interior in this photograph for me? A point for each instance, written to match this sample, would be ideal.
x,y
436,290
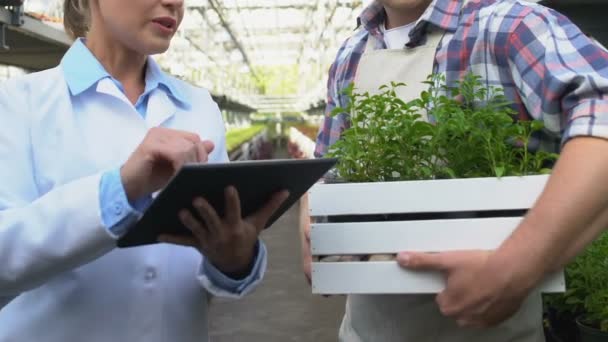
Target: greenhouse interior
x,y
266,65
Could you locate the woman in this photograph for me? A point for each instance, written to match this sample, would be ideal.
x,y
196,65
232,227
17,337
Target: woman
x,y
82,148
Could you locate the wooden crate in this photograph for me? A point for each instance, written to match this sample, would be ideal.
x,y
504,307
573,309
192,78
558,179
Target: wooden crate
x,y
484,196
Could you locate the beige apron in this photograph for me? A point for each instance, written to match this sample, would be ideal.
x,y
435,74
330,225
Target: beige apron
x,y
409,318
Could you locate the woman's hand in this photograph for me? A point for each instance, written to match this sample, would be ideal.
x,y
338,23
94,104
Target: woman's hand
x,y
228,242
159,156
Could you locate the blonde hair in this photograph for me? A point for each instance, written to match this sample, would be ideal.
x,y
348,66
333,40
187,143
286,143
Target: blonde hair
x,y
76,17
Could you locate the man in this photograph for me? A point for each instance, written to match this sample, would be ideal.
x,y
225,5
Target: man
x,y
551,72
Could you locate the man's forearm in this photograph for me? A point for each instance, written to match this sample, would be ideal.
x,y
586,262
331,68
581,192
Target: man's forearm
x,y
570,213
583,240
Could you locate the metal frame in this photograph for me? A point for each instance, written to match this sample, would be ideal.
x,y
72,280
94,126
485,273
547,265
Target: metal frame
x,y
28,42
18,21
235,41
227,31
3,45
217,7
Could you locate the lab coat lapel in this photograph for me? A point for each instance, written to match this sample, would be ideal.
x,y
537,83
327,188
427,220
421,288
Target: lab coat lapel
x,y
160,108
106,86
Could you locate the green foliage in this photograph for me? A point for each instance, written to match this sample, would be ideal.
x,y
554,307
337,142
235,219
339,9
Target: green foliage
x,y
277,80
474,135
587,286
236,137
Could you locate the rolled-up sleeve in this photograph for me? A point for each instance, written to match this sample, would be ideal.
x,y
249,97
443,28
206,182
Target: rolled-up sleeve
x,y
589,118
561,75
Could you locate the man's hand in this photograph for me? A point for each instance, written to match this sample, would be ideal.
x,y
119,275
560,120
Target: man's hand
x,y
228,242
305,238
162,153
476,294
486,288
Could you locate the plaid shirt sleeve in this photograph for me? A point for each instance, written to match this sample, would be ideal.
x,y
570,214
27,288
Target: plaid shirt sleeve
x,y
561,74
332,127
341,75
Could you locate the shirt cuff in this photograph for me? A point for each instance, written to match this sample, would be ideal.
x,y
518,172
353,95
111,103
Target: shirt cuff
x,y
117,214
218,284
588,119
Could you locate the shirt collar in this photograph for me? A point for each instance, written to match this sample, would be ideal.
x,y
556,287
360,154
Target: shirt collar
x,y
82,70
444,14
156,78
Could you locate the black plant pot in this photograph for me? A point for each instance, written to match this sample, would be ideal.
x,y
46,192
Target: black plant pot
x,y
561,327
590,334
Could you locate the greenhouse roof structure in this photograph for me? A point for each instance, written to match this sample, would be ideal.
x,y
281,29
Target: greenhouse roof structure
x,y
272,55
249,50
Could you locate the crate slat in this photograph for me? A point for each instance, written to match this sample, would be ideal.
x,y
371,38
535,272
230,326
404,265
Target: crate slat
x,y
415,236
451,195
389,278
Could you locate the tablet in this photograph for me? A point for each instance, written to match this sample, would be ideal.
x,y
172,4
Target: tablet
x,y
255,181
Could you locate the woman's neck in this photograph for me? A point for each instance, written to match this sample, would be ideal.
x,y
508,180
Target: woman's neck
x,y
125,65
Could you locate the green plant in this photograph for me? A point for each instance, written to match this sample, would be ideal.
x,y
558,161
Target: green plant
x,y
587,283
277,80
236,137
471,133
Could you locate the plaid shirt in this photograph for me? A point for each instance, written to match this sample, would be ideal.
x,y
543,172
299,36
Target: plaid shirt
x,y
547,67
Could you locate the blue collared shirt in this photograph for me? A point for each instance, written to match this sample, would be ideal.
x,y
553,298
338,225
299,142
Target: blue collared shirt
x,y
118,214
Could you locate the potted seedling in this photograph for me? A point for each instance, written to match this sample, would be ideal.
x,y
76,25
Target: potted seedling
x,y
585,303
461,180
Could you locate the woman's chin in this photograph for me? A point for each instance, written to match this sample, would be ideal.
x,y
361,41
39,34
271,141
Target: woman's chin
x,y
154,46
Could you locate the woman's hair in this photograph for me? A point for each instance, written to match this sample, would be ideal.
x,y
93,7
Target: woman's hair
x,y
76,17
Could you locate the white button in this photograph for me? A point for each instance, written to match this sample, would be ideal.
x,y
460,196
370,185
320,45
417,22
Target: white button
x,y
150,274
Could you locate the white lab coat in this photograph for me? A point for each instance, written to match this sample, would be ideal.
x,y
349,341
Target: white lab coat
x,y
61,277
